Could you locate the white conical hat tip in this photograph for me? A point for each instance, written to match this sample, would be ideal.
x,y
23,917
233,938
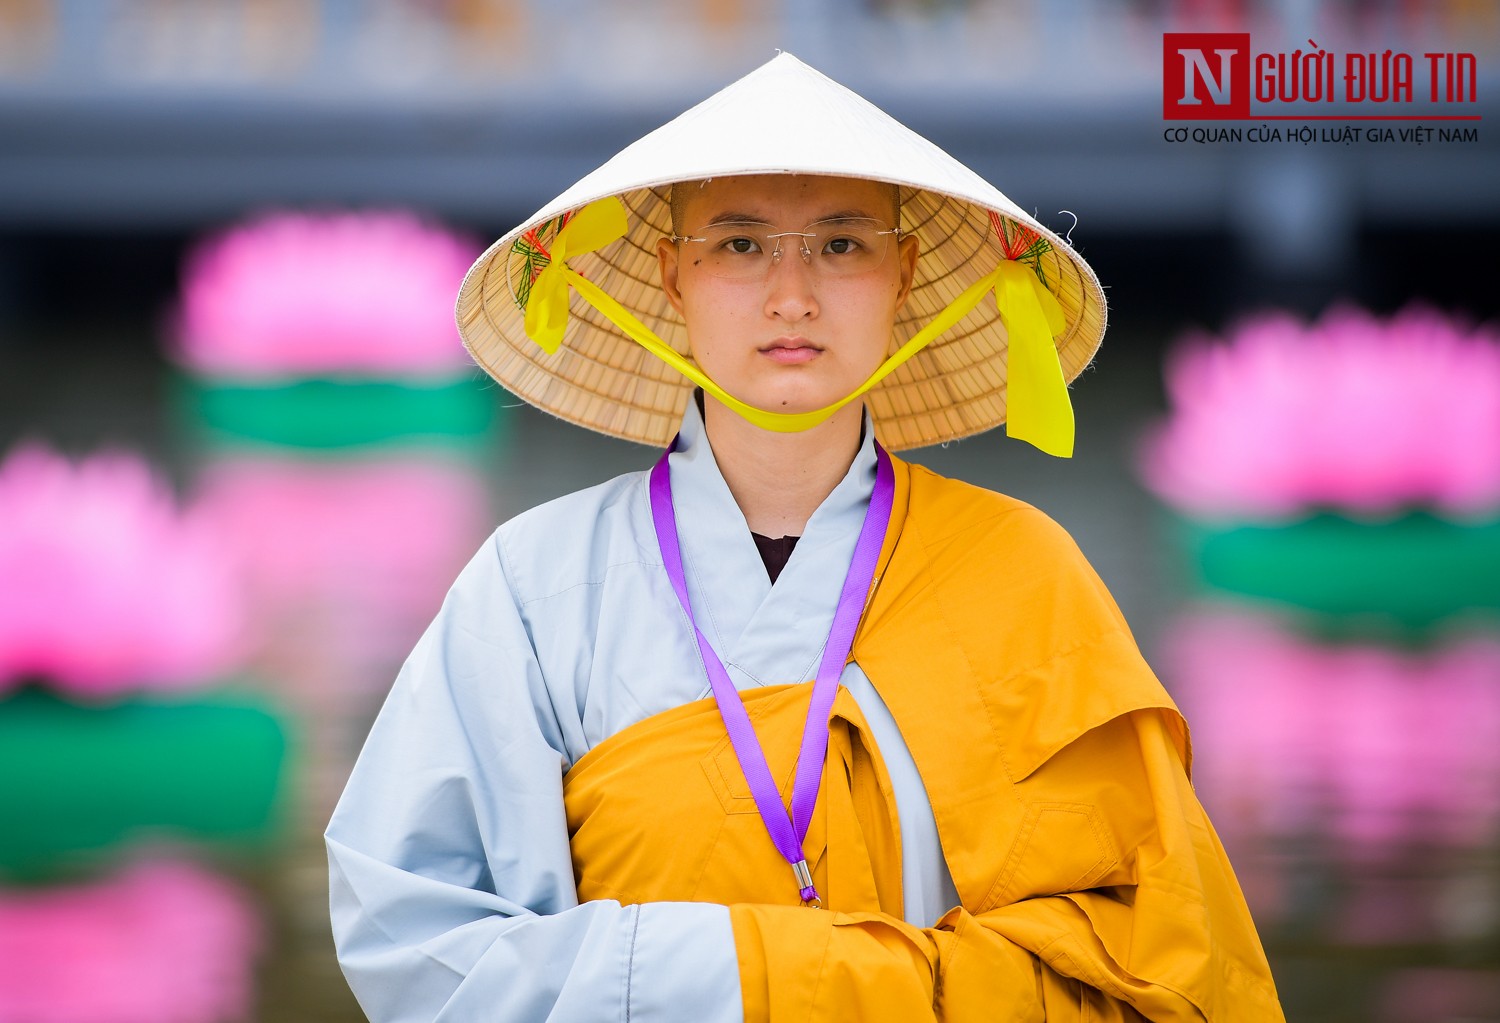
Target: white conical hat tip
x,y
783,117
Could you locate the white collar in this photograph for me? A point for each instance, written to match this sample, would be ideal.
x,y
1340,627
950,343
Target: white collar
x,y
765,635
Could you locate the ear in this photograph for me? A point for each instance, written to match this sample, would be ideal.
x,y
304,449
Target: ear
x,y
908,248
666,262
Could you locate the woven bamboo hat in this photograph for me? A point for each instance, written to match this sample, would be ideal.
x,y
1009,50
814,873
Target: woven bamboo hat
x,y
599,377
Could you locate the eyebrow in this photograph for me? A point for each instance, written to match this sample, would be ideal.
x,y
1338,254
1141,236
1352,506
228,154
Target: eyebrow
x,y
734,217
730,217
845,215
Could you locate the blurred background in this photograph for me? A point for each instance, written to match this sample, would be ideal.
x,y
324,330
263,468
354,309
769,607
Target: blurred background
x,y
242,455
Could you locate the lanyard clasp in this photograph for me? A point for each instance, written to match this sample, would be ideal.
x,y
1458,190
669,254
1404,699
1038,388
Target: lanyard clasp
x,y
805,885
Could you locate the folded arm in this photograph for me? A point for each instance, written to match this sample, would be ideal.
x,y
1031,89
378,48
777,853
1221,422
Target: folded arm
x,y
452,889
1160,934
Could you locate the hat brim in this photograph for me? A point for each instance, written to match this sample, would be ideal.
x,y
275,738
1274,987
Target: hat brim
x,y
601,379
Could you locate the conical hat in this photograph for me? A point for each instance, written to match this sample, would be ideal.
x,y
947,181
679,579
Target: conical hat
x,y
782,118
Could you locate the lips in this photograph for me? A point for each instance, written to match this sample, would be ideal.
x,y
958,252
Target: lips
x,y
792,341
791,350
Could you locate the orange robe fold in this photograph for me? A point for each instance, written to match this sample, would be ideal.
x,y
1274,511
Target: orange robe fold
x,y
1092,883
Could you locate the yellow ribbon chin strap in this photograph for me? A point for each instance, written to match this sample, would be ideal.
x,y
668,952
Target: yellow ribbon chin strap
x,y
1037,401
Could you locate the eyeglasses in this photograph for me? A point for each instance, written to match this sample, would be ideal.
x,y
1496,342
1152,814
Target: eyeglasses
x,y
747,251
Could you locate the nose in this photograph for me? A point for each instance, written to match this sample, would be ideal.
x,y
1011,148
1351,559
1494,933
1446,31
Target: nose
x,y
790,295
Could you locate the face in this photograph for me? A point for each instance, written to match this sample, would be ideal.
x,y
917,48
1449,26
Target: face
x,y
792,339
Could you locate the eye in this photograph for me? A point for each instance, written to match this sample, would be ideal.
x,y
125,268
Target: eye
x,y
740,245
842,245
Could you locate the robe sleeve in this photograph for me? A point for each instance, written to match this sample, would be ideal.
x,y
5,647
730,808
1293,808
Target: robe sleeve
x,y
1161,935
451,884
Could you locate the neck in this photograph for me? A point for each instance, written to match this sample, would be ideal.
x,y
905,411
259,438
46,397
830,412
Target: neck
x,y
779,479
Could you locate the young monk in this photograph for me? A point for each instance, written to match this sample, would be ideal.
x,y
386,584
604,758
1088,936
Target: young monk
x,y
784,728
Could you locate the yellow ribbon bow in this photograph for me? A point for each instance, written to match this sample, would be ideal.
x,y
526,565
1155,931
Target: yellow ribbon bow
x,y
591,228
1038,410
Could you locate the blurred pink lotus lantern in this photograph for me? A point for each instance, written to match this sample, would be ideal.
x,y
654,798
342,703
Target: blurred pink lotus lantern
x,y
159,941
345,561
1354,413
108,586
1375,748
357,552
341,295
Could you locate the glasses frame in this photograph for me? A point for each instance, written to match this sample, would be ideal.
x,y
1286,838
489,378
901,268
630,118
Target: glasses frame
x,y
802,237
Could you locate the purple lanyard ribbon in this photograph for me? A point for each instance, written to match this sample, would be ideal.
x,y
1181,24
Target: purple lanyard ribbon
x,y
787,831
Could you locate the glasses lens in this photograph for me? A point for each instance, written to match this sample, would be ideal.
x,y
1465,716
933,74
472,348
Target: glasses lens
x,y
739,251
850,246
835,247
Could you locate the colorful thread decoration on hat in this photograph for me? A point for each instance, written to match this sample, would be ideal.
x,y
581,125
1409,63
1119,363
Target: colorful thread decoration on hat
x,y
535,257
1039,411
1021,243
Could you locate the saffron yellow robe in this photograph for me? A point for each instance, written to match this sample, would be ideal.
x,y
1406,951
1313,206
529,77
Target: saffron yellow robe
x,y
1093,885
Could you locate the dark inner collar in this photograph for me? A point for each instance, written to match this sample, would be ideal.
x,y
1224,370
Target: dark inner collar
x,y
774,553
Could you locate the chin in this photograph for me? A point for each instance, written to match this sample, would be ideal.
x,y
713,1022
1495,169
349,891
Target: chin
x,y
796,397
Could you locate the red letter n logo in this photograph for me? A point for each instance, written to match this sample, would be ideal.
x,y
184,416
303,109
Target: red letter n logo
x,y
1205,76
